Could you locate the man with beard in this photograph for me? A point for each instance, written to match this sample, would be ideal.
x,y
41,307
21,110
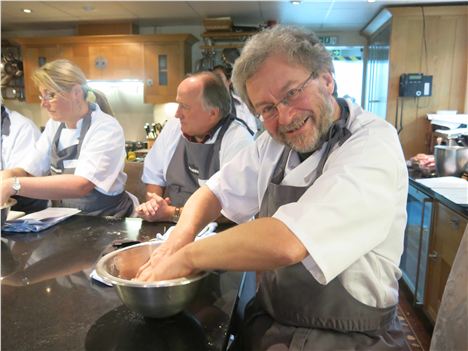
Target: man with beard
x,y
329,184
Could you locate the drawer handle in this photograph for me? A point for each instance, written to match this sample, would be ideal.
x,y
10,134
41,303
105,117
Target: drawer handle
x,y
433,255
455,222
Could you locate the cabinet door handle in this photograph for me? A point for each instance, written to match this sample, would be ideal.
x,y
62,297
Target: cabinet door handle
x,y
100,62
422,231
455,222
149,82
433,255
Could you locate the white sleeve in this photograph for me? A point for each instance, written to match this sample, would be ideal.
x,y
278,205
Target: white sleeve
x,y
37,162
158,158
102,154
235,139
25,136
351,208
236,185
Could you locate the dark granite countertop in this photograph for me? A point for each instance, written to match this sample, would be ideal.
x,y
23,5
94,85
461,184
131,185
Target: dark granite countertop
x,y
49,302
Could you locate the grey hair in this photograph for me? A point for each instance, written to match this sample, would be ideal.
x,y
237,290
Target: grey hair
x,y
299,46
215,93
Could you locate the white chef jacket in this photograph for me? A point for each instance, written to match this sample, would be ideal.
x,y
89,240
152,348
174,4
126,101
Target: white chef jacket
x,y
351,220
18,144
158,158
102,155
243,113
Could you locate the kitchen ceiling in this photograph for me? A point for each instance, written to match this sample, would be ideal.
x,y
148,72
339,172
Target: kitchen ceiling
x,y
320,15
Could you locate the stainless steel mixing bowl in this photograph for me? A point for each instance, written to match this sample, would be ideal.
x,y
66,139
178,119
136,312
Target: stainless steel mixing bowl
x,y
450,160
6,209
152,299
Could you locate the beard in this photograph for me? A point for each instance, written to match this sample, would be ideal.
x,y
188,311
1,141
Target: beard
x,y
313,139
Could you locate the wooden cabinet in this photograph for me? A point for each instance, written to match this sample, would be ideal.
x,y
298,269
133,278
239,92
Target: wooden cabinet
x,y
33,58
164,69
115,61
447,231
160,60
166,64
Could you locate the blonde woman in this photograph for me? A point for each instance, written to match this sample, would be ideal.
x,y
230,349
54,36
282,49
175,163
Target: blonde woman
x,y
78,160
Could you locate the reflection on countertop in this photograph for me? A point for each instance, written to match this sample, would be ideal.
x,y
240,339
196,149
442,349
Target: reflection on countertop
x,y
49,301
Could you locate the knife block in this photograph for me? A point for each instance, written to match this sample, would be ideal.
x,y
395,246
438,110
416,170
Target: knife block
x,y
150,142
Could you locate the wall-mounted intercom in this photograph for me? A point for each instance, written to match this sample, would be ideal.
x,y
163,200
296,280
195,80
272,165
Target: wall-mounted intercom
x,y
415,85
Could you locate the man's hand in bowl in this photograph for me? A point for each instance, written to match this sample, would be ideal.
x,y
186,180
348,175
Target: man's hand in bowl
x,y
164,265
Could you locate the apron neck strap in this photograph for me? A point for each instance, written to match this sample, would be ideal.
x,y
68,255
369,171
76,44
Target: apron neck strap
x,y
337,134
6,123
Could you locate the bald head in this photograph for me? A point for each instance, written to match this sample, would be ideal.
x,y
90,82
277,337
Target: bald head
x,y
214,92
192,87
203,101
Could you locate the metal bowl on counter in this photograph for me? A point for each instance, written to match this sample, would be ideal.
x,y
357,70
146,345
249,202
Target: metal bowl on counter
x,y
6,209
152,299
450,160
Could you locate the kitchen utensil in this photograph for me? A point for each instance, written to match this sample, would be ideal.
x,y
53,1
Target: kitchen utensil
x,y
152,299
139,145
6,209
146,128
230,55
206,63
450,160
130,146
158,127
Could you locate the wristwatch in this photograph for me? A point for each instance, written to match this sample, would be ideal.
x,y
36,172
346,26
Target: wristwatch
x,y
16,185
176,216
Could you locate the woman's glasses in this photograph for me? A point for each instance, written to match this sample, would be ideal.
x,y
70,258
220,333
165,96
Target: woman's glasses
x,y
48,96
269,112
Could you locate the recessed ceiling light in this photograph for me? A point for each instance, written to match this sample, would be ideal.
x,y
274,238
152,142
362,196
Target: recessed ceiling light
x,y
26,10
295,2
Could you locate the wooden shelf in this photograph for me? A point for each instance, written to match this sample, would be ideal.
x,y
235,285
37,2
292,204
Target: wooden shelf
x,y
228,35
222,46
225,40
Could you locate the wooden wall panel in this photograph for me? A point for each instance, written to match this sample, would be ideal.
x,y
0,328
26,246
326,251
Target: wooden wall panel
x,y
446,28
459,66
440,34
405,57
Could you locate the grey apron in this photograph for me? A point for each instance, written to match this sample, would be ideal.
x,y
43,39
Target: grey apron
x,y
23,204
94,203
234,113
192,163
292,311
6,124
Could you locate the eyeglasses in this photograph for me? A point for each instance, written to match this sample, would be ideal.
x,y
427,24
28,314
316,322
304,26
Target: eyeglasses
x,y
48,96
269,112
